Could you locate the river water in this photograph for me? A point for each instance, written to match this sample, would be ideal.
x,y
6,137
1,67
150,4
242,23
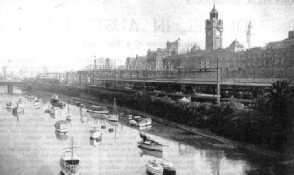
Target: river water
x,y
30,145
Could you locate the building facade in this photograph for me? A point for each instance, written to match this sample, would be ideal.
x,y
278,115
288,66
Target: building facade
x,y
284,43
105,63
155,59
137,63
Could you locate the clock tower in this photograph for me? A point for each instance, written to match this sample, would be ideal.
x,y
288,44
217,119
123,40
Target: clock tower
x,y
214,31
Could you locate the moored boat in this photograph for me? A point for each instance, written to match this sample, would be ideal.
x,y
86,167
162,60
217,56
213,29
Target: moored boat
x,y
61,136
54,101
9,105
37,103
61,126
151,145
18,109
52,111
97,109
30,97
70,162
95,134
154,168
113,117
168,168
144,122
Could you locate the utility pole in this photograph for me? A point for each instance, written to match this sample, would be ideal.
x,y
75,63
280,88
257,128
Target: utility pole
x,y
218,84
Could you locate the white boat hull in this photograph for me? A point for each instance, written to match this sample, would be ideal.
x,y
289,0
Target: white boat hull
x,y
62,130
113,118
68,173
155,169
98,112
145,122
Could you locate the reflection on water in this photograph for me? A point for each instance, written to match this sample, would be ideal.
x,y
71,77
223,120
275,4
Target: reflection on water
x,y
32,136
157,154
61,135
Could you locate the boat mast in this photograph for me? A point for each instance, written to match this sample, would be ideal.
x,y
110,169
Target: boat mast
x,y
72,150
114,107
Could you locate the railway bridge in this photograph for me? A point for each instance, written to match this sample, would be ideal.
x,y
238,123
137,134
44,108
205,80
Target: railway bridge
x,y
176,83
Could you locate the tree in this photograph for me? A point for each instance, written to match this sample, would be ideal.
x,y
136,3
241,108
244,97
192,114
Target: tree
x,y
279,100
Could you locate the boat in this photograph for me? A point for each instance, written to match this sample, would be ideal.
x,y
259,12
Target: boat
x,y
97,109
133,122
30,97
52,111
147,152
84,118
9,105
70,162
54,101
61,136
61,126
68,117
141,122
95,134
168,168
18,109
21,100
37,103
114,117
144,122
154,168
144,137
151,145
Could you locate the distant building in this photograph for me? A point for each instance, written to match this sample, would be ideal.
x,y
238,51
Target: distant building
x,y
173,47
235,46
214,31
155,59
137,63
105,63
284,43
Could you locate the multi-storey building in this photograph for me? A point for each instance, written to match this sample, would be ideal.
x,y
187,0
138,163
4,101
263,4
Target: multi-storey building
x,y
137,63
105,63
284,43
155,59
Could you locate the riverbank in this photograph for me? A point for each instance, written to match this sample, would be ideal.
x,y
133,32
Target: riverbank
x,y
123,100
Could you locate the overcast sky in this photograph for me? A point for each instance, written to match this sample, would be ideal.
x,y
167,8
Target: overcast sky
x,y
68,34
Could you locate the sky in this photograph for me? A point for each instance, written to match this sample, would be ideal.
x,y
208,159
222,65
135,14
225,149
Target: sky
x,y
69,34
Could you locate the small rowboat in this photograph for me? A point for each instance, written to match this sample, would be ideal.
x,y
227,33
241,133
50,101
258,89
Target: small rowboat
x,y
154,168
113,117
151,145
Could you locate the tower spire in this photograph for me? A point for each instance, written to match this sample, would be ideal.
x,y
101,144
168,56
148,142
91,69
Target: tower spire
x,y
248,35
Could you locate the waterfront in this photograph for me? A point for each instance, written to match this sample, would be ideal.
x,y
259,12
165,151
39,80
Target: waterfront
x,y
29,145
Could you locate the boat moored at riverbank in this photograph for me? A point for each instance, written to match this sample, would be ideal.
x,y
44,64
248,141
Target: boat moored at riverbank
x,y
61,126
70,162
154,168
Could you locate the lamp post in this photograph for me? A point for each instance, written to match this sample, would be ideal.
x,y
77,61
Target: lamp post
x,y
218,84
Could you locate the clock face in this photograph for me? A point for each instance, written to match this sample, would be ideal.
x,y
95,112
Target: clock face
x,y
209,33
217,33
